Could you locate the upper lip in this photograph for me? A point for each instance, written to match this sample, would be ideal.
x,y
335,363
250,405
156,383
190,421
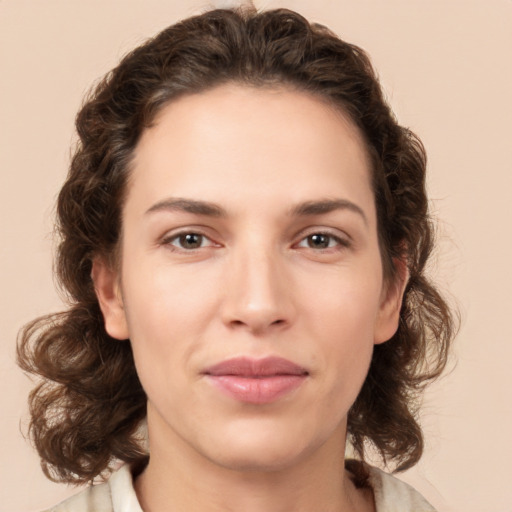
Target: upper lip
x,y
250,367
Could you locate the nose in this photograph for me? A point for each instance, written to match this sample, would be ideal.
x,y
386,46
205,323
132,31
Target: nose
x,y
258,293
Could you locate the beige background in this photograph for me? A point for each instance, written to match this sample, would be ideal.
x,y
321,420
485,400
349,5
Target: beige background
x,y
445,65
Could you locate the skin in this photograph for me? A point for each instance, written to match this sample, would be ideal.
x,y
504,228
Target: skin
x,y
267,276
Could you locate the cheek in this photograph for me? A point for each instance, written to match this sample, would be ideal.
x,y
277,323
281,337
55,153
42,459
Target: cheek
x,y
346,304
342,320
155,318
164,299
168,310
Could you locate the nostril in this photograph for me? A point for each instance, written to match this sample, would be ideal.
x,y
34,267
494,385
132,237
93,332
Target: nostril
x,y
257,325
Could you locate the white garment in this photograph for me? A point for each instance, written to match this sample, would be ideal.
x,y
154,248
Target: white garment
x,y
118,495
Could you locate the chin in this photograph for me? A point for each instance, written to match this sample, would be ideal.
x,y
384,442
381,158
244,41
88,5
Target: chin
x,y
264,448
257,461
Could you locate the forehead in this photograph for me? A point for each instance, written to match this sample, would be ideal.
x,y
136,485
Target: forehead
x,y
265,141
279,108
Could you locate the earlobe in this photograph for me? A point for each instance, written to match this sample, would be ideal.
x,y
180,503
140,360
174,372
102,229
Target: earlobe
x,y
108,292
391,303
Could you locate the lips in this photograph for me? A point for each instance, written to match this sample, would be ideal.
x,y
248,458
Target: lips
x,y
256,381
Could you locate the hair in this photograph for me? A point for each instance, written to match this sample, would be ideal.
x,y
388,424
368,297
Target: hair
x,y
88,404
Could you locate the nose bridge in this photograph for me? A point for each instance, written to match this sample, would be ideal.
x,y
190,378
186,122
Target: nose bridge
x,y
257,293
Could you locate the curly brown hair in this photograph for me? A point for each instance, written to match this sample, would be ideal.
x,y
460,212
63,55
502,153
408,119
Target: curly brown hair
x,y
89,403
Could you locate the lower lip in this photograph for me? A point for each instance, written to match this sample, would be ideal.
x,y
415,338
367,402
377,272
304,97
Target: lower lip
x,y
255,390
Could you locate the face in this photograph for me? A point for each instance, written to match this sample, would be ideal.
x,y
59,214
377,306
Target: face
x,y
250,283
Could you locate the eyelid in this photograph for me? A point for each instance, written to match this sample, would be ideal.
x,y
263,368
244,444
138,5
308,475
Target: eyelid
x,y
170,236
323,230
343,239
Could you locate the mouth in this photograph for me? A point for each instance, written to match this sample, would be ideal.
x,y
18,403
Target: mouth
x,y
256,381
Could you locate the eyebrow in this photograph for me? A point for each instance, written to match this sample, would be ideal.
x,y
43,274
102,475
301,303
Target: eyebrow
x,y
327,206
307,208
189,206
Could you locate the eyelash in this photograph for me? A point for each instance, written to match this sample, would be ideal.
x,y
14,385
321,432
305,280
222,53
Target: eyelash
x,y
339,242
179,238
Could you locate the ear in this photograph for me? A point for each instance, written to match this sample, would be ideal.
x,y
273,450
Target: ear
x,y
108,291
393,290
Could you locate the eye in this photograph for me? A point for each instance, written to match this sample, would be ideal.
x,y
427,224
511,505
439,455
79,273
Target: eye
x,y
188,241
322,241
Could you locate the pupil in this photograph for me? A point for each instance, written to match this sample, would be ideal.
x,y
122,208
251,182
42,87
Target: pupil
x,y
319,241
191,241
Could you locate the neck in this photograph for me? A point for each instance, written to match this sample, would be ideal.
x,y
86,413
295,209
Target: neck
x,y
179,478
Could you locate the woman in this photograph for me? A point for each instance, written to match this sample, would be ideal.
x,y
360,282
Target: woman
x,y
244,231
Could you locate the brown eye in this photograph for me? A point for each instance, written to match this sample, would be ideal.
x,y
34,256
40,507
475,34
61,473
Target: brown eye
x,y
188,241
320,241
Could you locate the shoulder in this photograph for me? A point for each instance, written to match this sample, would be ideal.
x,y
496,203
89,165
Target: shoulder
x,y
115,495
94,498
393,495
